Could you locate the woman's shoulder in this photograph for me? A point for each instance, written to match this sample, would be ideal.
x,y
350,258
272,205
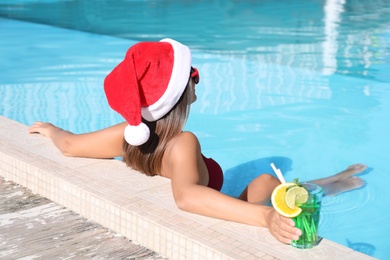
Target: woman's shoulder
x,y
185,143
181,152
188,136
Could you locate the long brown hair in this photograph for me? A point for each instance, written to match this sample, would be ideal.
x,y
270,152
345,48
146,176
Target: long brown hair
x,y
147,158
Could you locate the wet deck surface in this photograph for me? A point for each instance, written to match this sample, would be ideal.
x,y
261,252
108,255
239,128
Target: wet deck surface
x,y
33,227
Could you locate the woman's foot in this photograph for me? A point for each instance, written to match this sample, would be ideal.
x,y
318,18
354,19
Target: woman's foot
x,y
348,184
342,181
351,170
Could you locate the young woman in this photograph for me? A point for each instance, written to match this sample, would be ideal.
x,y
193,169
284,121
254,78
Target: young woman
x,y
153,88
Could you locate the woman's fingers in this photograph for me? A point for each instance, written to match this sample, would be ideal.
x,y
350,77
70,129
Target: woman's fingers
x,y
288,229
40,128
284,229
35,127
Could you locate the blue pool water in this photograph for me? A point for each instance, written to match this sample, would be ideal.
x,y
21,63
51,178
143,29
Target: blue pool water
x,y
303,84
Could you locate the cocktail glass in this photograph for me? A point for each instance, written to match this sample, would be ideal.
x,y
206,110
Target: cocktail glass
x,y
308,219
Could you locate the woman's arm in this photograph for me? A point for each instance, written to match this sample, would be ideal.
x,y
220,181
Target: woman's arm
x,y
192,197
105,143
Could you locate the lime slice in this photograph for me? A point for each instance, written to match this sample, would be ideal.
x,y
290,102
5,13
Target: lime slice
x,y
301,197
296,195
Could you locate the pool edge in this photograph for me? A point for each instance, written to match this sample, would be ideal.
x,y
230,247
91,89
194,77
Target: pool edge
x,y
136,206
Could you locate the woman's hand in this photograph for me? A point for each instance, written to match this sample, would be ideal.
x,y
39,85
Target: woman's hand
x,y
61,138
102,144
282,228
42,128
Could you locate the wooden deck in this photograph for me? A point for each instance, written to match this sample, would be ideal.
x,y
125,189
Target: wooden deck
x,y
34,227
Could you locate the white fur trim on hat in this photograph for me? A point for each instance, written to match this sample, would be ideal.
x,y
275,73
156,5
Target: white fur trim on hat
x,y
177,83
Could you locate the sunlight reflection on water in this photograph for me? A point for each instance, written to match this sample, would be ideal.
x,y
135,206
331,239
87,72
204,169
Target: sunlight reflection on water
x,y
303,89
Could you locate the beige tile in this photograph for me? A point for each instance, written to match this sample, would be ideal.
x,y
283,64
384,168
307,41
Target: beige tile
x,y
137,206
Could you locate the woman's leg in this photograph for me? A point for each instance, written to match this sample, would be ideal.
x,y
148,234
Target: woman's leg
x,y
260,189
342,181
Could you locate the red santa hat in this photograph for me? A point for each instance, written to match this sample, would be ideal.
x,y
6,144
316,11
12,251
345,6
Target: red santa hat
x,y
148,83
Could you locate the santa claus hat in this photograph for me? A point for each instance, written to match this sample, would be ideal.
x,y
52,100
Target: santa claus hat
x,y
148,83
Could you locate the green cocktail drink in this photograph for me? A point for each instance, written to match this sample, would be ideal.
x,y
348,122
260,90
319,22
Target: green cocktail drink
x,y
308,219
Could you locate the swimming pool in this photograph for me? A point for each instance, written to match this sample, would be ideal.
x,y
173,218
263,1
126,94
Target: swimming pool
x,y
303,84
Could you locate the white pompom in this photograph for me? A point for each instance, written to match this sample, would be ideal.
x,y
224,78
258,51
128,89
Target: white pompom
x,y
137,135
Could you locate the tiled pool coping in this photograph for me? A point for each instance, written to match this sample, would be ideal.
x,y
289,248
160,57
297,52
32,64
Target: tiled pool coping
x,y
139,207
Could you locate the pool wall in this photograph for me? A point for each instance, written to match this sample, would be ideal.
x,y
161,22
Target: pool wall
x,y
139,207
